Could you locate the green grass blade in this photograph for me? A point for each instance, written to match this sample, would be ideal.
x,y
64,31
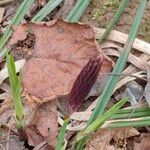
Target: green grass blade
x,y
134,122
78,10
25,5
61,135
49,7
100,120
112,80
15,85
142,109
12,73
112,23
18,106
131,115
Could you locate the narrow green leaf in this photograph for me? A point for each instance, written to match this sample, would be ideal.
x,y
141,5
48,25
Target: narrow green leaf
x,y
142,109
78,10
25,5
12,73
112,23
100,120
49,7
17,101
112,80
134,122
61,135
18,106
15,84
132,114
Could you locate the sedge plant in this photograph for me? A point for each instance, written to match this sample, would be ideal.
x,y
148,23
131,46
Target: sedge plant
x,y
100,120
15,84
112,80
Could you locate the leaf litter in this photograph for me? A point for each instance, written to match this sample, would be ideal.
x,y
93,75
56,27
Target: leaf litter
x,y
114,36
102,139
51,67
57,61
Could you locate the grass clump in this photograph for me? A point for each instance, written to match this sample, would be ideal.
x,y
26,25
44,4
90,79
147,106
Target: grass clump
x,y
15,84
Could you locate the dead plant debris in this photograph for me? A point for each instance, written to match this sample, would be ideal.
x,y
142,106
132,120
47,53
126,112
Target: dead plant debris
x,y
57,60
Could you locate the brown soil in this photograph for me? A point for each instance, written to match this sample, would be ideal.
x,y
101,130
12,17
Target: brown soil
x,y
125,21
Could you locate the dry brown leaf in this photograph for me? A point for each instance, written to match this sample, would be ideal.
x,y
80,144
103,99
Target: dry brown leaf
x,y
100,141
60,52
124,133
34,137
46,122
144,143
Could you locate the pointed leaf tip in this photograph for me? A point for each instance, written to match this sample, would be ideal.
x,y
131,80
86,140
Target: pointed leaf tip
x,y
84,82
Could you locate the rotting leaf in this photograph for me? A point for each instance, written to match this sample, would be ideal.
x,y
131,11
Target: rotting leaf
x,y
33,136
100,140
60,52
46,122
144,143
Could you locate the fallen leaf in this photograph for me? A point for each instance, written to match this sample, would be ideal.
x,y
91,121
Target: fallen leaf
x,y
100,140
15,143
33,136
124,133
60,52
144,143
46,121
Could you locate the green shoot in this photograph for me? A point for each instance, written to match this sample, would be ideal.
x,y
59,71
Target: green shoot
x,y
78,10
112,80
15,84
100,120
61,135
